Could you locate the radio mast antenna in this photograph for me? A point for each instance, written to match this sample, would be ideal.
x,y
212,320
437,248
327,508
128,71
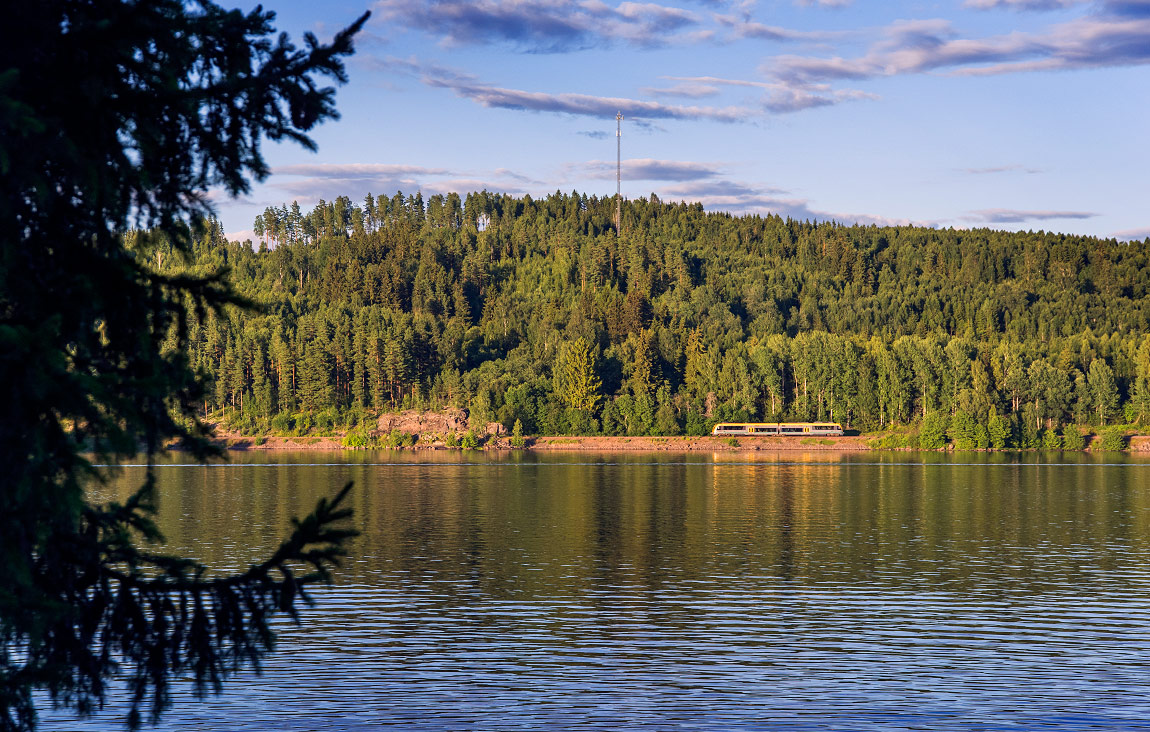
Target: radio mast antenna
x,y
618,172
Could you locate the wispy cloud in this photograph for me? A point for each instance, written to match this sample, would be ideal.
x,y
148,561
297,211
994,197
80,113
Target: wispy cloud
x,y
1132,234
799,97
719,80
1002,169
311,182
1114,34
647,169
744,198
350,171
1012,216
546,26
686,90
1022,4
731,191
742,26
585,105
824,3
507,174
478,183
782,97
469,87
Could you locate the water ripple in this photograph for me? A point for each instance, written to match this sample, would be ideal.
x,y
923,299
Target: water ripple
x,y
644,594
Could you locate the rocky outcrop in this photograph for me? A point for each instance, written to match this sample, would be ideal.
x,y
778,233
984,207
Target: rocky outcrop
x,y
414,422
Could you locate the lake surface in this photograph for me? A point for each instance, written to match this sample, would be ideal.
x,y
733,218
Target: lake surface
x,y
798,591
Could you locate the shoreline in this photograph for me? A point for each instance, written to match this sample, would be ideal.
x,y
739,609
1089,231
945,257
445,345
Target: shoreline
x,y
600,443
595,443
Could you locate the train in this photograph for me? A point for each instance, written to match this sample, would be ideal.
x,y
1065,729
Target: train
x,y
766,429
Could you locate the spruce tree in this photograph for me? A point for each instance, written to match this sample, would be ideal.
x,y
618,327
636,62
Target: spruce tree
x,y
576,380
119,115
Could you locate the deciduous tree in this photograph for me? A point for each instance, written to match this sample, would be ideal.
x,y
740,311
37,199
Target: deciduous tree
x,y
1103,392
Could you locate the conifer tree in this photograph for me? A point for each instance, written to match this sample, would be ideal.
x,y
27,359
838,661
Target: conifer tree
x,y
576,381
119,115
747,332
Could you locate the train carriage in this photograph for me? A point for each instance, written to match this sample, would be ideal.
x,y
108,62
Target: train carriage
x,y
766,429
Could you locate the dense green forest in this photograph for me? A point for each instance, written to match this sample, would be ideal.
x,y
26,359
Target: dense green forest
x,y
535,310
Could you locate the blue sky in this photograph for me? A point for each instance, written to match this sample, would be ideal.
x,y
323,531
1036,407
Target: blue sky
x,y
1014,114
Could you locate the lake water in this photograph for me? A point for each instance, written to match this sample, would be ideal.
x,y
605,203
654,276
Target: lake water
x,y
797,591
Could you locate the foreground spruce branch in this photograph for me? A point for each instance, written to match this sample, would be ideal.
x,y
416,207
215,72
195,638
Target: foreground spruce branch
x,y
117,116
152,619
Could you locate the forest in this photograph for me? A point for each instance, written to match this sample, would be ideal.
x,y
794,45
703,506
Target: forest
x,y
537,311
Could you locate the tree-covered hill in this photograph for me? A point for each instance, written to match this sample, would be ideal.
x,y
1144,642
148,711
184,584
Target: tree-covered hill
x,y
534,310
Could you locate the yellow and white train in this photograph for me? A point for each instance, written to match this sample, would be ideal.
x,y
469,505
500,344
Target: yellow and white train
x,y
766,429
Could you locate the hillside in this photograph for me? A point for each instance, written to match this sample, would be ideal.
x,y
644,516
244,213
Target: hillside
x,y
534,310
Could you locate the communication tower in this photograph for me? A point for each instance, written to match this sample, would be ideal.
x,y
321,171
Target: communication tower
x,y
618,172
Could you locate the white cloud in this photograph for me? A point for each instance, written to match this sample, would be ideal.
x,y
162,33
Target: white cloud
x,y
241,235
